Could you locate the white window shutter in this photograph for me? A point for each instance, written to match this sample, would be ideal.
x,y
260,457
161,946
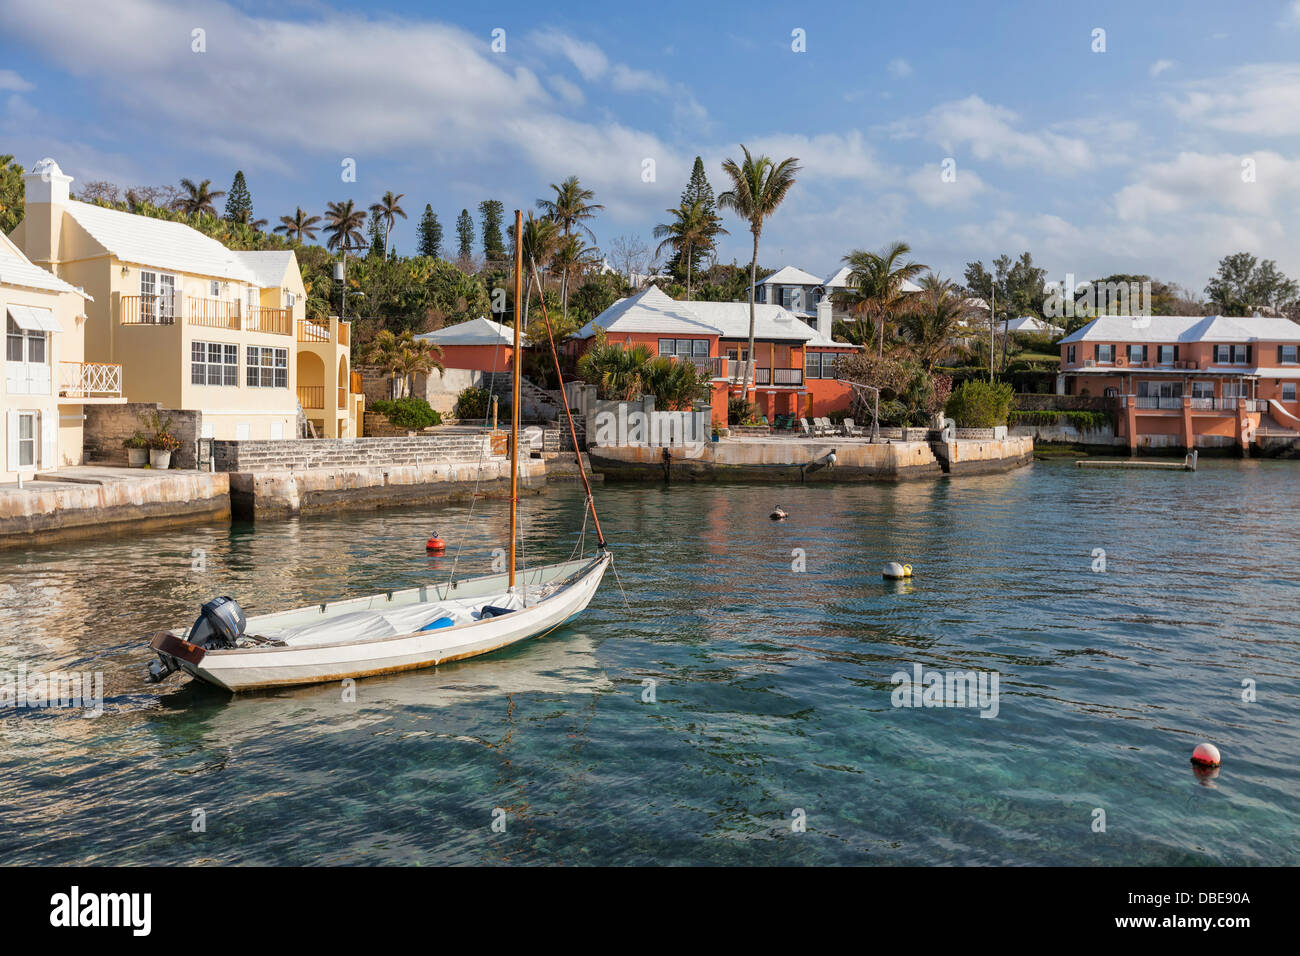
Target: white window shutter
x,y
49,439
11,433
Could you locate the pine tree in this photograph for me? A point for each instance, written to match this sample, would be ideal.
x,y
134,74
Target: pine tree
x,y
465,234
239,204
430,234
492,211
376,230
697,190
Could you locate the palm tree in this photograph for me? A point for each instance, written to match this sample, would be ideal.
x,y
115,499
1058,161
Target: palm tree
x,y
198,200
403,357
246,217
758,185
938,313
298,225
674,383
571,206
570,256
540,238
343,226
692,229
618,372
875,282
386,211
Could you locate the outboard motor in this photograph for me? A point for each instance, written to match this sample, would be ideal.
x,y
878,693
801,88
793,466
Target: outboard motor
x,y
220,622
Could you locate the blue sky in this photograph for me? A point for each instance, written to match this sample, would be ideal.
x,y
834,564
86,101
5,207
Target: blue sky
x,y
1125,160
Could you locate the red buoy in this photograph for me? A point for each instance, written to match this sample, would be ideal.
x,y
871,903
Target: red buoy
x,y
435,544
1206,755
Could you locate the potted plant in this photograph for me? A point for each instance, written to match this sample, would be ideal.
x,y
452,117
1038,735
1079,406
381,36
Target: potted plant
x,y
137,450
162,443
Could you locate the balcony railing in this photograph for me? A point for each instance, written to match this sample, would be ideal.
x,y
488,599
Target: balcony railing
x,y
89,380
311,396
787,376
148,310
312,331
212,313
275,321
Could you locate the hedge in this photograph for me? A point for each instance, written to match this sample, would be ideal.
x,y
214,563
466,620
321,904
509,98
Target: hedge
x,y
980,404
413,413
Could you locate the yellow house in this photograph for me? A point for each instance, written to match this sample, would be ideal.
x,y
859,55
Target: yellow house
x,y
326,390
46,381
191,324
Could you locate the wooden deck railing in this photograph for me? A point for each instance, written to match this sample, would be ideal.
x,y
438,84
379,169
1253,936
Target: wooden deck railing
x,y
275,321
311,396
148,310
309,331
212,313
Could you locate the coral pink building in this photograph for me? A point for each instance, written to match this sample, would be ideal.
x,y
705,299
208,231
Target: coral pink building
x,y
1189,381
792,359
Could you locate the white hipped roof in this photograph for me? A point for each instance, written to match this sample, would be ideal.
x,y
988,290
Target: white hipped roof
x,y
840,280
160,243
268,267
651,311
1138,329
17,270
790,275
1029,323
480,331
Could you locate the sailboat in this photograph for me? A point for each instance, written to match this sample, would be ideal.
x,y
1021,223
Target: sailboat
x,y
396,630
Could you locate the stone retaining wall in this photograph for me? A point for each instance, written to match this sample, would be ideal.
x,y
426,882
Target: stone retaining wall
x,y
107,425
446,447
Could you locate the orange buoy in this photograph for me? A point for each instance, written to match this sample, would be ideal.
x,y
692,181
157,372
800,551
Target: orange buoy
x,y
435,544
1206,755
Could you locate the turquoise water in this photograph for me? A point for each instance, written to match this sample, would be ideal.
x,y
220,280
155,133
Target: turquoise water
x,y
771,688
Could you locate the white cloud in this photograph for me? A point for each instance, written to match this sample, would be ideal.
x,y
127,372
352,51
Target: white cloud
x,y
1259,99
587,58
931,187
1194,182
1291,18
989,132
898,67
1160,66
569,92
13,83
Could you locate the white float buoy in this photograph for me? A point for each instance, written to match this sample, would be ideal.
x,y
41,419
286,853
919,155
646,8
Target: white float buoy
x,y
778,514
896,571
1206,755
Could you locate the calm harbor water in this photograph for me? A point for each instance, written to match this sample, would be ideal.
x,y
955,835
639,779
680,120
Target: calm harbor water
x,y
772,688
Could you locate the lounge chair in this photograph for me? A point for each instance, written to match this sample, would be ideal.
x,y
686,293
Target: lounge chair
x,y
805,429
851,430
824,426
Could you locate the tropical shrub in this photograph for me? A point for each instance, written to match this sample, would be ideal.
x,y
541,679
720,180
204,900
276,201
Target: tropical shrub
x,y
476,403
412,413
980,404
741,410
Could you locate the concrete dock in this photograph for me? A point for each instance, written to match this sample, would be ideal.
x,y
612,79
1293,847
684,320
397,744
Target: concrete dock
x,y
91,500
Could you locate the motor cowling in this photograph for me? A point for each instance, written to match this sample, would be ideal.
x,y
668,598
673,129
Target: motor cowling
x,y
220,623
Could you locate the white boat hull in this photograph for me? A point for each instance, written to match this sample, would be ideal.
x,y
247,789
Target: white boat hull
x,y
259,668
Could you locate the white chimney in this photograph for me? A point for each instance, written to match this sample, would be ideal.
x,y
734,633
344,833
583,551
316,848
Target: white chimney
x,y
824,318
46,183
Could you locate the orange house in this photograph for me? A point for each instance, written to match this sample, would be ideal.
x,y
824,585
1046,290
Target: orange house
x,y
1189,381
792,360
480,344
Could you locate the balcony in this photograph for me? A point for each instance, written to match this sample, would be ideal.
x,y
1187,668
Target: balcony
x,y
148,310
779,376
89,380
274,321
212,313
311,396
319,332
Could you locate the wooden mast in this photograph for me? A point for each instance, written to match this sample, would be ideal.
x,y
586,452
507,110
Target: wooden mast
x,y
513,446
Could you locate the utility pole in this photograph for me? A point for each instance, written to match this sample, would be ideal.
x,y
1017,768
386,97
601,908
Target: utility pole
x,y
993,321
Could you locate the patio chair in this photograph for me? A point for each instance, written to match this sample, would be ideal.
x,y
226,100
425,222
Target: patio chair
x,y
805,429
824,426
851,430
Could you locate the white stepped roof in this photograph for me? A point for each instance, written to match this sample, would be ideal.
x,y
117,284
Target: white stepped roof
x,y
480,331
840,280
1186,328
651,311
16,269
160,243
267,266
789,275
1030,323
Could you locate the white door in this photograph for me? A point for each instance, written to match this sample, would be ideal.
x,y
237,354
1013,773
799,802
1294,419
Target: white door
x,y
23,440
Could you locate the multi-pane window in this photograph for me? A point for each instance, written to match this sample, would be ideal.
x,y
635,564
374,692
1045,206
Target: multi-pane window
x,y
214,363
1232,354
684,348
1287,354
1105,353
1135,354
819,365
27,440
1167,355
1069,355
1202,389
269,367
1288,391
